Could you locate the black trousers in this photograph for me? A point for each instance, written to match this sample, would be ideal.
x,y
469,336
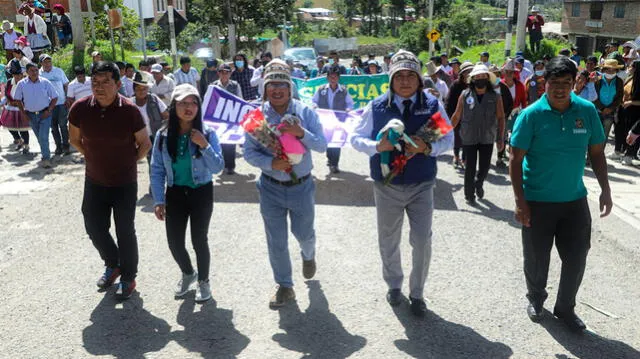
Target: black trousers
x,y
627,117
97,204
476,155
333,156
229,155
17,135
195,204
570,225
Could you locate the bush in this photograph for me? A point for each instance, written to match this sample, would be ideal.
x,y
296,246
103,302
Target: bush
x,y
339,28
413,36
131,24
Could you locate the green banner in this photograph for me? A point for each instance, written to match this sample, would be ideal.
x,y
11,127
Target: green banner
x,y
362,88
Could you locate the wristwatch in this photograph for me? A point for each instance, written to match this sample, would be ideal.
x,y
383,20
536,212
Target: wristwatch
x,y
427,150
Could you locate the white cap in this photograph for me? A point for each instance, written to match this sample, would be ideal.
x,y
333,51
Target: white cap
x,y
156,68
182,91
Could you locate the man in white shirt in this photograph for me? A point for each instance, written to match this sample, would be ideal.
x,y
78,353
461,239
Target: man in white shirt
x,y
333,96
524,72
80,86
444,63
256,79
186,74
163,85
441,86
59,127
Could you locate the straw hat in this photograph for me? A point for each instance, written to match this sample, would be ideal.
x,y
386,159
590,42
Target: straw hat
x,y
432,69
611,64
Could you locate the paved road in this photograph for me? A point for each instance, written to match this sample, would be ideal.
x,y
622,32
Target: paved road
x,y
475,291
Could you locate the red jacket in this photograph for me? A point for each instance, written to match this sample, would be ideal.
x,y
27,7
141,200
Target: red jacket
x,y
532,26
521,94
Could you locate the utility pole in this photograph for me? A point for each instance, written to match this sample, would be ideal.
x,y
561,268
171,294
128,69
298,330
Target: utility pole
x,y
172,34
284,32
142,31
523,10
507,36
215,42
232,30
78,33
432,45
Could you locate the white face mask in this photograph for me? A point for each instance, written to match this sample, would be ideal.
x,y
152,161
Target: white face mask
x,y
539,72
610,76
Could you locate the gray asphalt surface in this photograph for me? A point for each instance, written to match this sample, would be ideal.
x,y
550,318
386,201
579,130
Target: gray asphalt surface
x,y
475,290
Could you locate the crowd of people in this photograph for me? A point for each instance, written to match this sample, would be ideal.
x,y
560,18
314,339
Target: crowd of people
x,y
551,116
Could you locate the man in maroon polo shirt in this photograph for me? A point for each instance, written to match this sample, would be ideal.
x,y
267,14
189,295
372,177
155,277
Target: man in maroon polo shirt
x,y
110,132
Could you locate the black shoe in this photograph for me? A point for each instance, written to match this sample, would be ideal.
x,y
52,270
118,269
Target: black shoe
x,y
308,268
334,169
535,312
66,150
418,307
571,320
394,297
58,151
230,171
479,191
501,164
470,201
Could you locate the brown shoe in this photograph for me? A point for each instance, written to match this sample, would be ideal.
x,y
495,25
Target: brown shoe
x,y
309,268
282,296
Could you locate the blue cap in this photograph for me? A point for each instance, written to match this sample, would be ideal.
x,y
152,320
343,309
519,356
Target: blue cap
x,y
519,53
212,62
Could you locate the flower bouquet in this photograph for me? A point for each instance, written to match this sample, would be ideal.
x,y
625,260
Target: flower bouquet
x,y
432,131
283,145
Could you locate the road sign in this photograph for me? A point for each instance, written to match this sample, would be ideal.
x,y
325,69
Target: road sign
x,y
433,35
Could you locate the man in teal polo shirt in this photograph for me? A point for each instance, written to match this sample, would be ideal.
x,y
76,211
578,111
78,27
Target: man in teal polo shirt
x,y
549,142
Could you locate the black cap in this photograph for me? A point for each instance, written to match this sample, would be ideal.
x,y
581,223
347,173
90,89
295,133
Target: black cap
x,y
78,70
484,53
454,61
444,54
333,70
224,67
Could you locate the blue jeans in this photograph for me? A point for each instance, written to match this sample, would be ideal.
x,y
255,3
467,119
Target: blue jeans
x,y
41,127
298,201
59,127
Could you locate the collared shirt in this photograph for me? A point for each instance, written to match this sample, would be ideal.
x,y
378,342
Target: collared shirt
x,y
165,88
36,96
331,94
127,86
8,40
362,141
259,156
108,138
226,88
607,91
556,145
192,77
58,79
443,89
77,90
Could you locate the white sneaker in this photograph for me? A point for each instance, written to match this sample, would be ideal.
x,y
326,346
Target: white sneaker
x,y
615,155
185,283
203,291
627,161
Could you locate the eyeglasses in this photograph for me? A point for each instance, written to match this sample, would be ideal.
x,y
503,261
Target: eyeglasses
x,y
278,85
184,104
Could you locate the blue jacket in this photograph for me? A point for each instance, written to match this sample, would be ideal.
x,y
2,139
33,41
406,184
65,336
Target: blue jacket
x,y
202,168
420,168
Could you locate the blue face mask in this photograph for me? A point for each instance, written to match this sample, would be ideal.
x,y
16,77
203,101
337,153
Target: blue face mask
x,y
539,72
239,64
330,61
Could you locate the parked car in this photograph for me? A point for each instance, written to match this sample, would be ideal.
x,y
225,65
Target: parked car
x,y
306,56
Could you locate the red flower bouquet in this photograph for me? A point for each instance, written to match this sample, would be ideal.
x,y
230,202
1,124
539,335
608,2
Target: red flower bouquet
x,y
255,124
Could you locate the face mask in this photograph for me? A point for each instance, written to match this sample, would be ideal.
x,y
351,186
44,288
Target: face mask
x,y
265,62
610,76
480,84
539,72
330,61
239,64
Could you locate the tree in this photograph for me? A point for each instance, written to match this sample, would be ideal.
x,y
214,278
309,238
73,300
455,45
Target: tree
x,y
413,36
463,25
346,7
130,20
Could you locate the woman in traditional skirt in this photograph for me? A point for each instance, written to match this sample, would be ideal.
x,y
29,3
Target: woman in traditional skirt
x,y
35,29
12,118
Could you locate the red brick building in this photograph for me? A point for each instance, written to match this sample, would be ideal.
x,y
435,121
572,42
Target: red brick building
x,y
591,24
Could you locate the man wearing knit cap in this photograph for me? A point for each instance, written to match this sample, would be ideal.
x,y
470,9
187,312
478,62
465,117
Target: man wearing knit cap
x,y
412,189
282,194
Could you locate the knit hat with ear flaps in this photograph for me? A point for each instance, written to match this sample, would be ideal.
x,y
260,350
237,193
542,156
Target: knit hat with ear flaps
x,y
276,71
404,60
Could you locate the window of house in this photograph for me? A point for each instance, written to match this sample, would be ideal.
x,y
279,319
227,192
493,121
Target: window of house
x,y
180,5
618,11
595,11
575,9
161,5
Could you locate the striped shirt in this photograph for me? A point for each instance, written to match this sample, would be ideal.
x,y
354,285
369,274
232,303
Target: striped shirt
x,y
192,77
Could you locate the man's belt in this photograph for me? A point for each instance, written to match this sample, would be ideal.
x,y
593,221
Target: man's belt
x,y
37,112
287,183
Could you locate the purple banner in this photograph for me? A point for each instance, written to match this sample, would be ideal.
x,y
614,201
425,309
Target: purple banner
x,y
224,112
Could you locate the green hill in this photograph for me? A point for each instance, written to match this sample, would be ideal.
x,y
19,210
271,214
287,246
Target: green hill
x,y
327,4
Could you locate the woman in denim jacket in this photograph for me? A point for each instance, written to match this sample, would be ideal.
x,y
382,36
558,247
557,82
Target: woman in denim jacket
x,y
185,156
